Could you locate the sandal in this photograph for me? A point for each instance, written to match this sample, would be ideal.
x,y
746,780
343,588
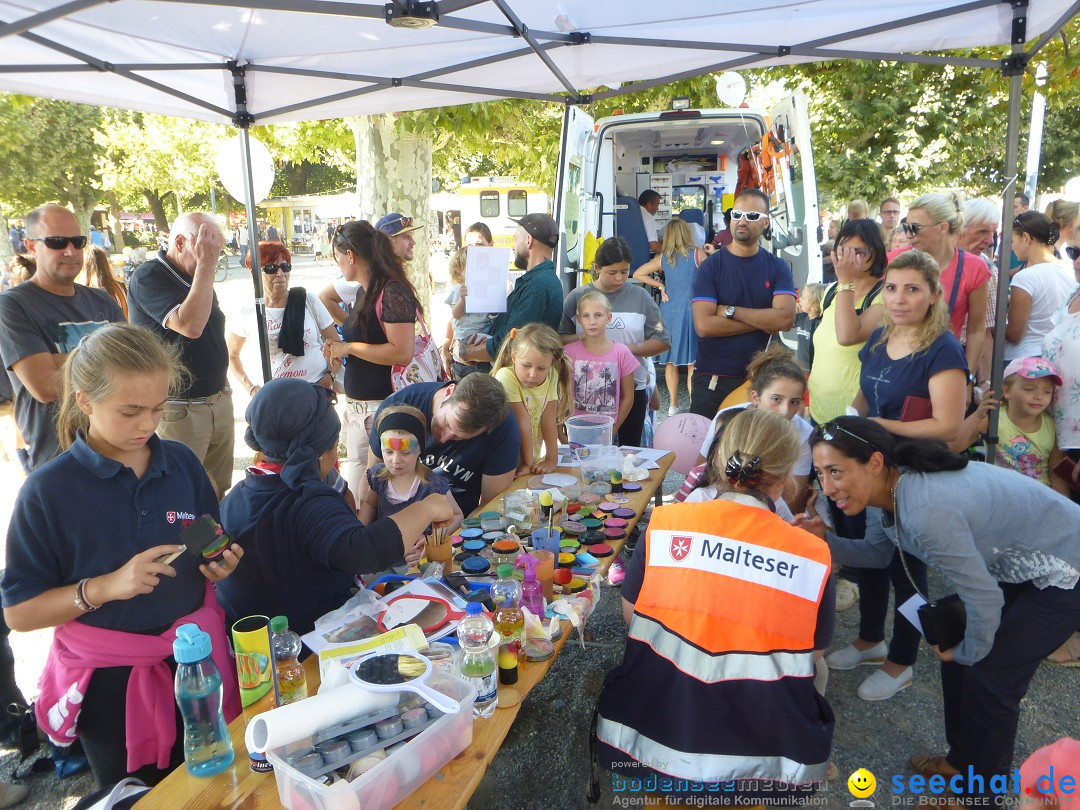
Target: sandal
x,y
1068,654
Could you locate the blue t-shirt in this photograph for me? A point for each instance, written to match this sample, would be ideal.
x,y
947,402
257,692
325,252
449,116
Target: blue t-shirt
x,y
726,279
464,462
84,515
886,382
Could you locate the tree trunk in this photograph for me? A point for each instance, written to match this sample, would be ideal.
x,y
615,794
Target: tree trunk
x,y
157,208
6,249
393,173
118,231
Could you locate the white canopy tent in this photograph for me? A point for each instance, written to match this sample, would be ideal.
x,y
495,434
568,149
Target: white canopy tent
x,y
267,61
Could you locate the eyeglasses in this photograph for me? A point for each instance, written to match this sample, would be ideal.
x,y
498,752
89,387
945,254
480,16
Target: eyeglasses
x,y
1072,252
912,228
829,430
405,222
749,216
895,213
272,269
61,242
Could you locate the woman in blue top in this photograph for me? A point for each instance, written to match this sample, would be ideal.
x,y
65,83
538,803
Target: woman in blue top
x,y
913,383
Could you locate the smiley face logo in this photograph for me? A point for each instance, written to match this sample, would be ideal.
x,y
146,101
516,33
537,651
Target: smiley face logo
x,y
861,784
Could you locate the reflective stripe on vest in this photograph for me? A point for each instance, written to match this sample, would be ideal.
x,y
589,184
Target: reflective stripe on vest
x,y
706,767
732,666
771,575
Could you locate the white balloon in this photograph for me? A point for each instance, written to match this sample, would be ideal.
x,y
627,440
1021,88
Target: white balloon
x,y
231,170
731,89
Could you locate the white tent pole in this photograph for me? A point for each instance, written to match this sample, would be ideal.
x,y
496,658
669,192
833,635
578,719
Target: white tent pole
x,y
244,121
1013,67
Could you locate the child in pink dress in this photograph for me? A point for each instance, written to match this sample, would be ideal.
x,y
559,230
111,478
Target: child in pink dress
x,y
603,369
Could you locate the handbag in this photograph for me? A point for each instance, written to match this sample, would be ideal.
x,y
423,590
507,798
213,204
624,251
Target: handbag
x,y
944,621
426,364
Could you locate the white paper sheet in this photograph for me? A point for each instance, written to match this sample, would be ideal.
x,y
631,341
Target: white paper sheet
x,y
487,272
910,611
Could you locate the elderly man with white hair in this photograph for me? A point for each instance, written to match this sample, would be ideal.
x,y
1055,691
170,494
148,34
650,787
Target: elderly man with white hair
x,y
981,218
172,295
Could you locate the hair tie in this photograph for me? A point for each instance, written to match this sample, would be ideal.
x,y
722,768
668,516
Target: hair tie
x,y
746,475
513,333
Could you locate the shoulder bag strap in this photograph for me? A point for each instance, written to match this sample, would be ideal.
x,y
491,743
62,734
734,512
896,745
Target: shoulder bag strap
x,y
956,280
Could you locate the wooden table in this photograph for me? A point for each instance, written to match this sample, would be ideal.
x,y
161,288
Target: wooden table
x,y
451,788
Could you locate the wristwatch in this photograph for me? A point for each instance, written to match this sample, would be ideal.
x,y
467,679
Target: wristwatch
x,y
730,312
845,288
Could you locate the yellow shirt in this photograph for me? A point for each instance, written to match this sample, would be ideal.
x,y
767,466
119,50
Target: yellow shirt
x,y
834,375
534,400
1027,453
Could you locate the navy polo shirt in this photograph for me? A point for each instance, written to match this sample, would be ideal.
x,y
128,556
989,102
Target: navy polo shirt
x,y
84,515
725,279
287,535
156,289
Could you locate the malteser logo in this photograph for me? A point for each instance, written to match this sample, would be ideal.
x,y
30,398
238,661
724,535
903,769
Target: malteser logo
x,y
680,547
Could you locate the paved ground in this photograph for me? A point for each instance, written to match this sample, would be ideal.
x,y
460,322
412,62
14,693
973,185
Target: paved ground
x,y
544,762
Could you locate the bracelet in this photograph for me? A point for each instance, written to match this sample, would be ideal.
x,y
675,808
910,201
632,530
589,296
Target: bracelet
x,y
81,602
845,288
251,388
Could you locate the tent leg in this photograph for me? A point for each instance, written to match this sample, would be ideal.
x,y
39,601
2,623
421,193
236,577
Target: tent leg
x,y
1013,68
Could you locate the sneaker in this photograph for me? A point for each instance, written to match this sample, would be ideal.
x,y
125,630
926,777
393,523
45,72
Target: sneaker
x,y
672,410
847,594
849,657
932,765
617,572
882,686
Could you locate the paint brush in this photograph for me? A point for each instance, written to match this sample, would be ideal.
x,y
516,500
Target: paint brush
x,y
203,537
548,505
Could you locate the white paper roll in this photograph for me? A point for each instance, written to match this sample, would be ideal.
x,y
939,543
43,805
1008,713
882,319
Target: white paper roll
x,y
296,721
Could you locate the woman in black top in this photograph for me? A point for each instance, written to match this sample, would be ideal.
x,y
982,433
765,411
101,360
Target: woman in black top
x,y
380,332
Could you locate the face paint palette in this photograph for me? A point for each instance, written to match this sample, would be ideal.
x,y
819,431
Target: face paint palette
x,y
472,534
592,537
614,534
625,514
630,486
614,523
573,527
202,538
608,506
492,536
475,565
569,545
601,550
474,546
591,523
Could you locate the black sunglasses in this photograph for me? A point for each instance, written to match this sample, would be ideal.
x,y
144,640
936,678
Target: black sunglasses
x,y
340,234
829,430
749,216
61,242
912,228
1072,252
272,269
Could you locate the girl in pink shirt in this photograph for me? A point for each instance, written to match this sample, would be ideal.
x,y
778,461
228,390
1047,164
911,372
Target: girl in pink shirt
x,y
603,369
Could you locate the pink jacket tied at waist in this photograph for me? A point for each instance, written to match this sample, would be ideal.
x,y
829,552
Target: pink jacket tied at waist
x,y
78,649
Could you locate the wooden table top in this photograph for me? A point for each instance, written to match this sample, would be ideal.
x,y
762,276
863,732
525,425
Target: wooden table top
x,y
452,786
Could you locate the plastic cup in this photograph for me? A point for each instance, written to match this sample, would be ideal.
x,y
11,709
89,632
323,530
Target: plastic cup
x,y
545,569
545,540
590,429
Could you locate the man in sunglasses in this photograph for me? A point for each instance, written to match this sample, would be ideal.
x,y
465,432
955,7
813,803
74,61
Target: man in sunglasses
x,y
44,319
742,296
172,295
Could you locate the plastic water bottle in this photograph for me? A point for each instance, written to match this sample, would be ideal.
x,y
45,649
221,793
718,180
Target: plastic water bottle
x,y
510,622
289,672
477,662
208,748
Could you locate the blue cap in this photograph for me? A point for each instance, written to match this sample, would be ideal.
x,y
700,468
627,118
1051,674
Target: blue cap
x,y
191,644
473,608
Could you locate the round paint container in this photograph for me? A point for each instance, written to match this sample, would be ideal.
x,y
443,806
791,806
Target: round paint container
x,y
601,550
615,523
624,513
577,585
475,565
592,537
586,510
413,718
456,541
390,727
573,527
566,559
494,524
471,523
299,754
489,515
614,534
608,506
362,739
538,649
433,712
569,544
493,535
472,534
601,488
309,764
630,486
573,508
505,551
589,499
463,556
336,751
591,523
474,546
320,748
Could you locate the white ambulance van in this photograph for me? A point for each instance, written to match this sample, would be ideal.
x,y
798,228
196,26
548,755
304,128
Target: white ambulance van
x,y
693,159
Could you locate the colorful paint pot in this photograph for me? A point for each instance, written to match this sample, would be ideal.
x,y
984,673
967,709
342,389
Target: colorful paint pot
x,y
566,559
475,565
591,523
471,523
474,546
489,515
577,585
538,649
614,534
573,508
591,537
601,550
413,718
573,527
472,534
624,513
570,545
607,506
457,540
505,546
630,486
615,523
492,536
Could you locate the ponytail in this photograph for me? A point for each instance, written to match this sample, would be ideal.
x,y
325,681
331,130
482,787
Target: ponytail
x,y
545,340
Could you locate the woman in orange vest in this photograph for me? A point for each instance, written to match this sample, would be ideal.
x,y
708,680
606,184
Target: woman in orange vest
x,y
726,604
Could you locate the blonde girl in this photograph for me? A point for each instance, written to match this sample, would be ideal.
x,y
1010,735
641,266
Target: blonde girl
x,y
461,325
85,556
533,369
603,369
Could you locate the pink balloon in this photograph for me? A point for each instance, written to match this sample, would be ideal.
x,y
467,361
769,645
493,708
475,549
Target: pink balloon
x,y
682,434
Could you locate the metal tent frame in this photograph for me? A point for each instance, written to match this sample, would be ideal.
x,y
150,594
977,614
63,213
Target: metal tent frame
x,y
221,54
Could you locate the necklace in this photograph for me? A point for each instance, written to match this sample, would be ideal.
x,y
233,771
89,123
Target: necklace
x,y
895,511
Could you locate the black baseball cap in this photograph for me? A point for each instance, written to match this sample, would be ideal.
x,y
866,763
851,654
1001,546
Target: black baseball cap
x,y
540,227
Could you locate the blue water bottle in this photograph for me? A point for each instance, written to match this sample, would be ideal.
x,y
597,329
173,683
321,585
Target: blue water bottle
x,y
208,748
